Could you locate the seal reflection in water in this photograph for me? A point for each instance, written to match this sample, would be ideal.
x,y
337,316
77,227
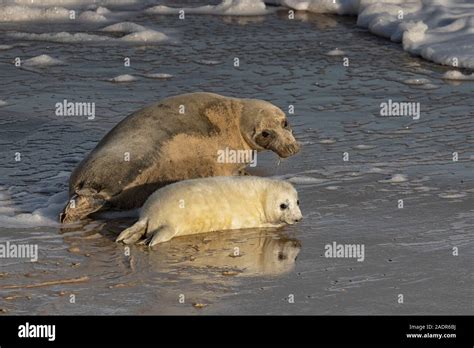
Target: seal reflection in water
x,y
214,204
241,253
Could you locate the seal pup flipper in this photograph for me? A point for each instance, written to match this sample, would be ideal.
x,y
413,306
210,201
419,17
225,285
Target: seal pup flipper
x,y
134,232
162,235
80,205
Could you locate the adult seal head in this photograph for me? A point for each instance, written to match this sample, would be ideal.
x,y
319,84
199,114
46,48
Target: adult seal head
x,y
175,139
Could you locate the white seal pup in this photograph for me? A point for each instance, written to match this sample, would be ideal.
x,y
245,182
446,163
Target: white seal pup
x,y
214,204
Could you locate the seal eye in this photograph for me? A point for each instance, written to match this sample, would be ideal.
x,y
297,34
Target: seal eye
x,y
283,206
265,134
285,124
282,256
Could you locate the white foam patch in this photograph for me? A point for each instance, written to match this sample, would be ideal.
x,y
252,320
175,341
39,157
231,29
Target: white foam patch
x,y
102,10
123,78
438,30
336,52
457,75
146,36
42,61
208,61
3,102
425,189
160,76
323,6
452,195
91,16
5,47
327,141
305,180
136,33
44,216
395,179
30,13
141,37
376,170
15,13
364,147
61,37
225,8
124,27
74,3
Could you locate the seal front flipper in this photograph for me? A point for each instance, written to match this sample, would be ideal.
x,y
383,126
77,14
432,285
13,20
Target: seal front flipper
x,y
162,235
83,203
132,234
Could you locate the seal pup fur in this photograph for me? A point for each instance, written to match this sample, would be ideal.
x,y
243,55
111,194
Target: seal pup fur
x,y
214,204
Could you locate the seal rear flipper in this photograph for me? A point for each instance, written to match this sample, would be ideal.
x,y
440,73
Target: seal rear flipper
x,y
162,235
132,234
80,205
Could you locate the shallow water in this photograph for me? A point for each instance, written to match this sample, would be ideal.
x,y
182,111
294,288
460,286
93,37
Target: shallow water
x,y
408,251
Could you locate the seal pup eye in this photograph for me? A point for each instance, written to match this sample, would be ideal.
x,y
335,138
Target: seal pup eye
x,y
283,206
284,124
265,134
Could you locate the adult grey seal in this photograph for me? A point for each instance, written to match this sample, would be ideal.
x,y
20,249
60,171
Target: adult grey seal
x,y
175,139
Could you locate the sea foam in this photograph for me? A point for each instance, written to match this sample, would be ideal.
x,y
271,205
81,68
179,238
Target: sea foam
x,y
438,30
226,8
161,76
135,34
73,3
15,13
46,215
42,61
123,78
